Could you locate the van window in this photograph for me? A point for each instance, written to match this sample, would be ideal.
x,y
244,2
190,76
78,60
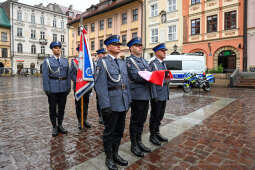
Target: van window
x,y
174,65
192,65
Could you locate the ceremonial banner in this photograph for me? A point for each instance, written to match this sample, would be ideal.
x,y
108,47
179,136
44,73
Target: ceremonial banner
x,y
84,78
155,77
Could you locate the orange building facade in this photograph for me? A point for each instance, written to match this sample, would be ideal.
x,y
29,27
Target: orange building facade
x,y
215,28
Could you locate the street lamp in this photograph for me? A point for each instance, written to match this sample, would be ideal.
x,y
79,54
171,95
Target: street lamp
x,y
175,50
210,49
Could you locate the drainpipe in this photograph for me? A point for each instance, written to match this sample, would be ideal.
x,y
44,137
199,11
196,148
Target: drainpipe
x,y
141,2
245,37
12,45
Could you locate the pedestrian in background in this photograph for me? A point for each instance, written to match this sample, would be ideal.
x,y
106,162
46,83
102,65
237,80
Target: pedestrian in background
x,y
56,85
141,95
158,105
112,88
73,73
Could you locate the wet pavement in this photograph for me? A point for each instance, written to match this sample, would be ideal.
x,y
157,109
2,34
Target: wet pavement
x,y
214,130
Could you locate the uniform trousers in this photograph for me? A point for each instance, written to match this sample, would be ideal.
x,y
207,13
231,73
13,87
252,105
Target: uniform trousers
x,y
157,114
85,106
57,101
114,125
139,112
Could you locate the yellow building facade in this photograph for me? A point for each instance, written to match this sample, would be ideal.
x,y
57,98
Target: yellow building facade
x,y
163,24
123,17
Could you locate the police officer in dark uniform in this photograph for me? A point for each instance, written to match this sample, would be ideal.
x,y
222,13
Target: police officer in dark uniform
x,y
141,95
56,85
100,54
158,105
73,73
112,88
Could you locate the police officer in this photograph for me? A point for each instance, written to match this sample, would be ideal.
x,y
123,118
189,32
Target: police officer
x,y
56,85
112,88
100,54
73,73
158,105
141,95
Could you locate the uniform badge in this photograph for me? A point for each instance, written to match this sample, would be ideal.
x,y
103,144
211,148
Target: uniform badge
x,y
97,69
128,64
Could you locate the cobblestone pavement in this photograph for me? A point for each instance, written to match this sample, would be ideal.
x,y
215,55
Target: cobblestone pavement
x,y
224,139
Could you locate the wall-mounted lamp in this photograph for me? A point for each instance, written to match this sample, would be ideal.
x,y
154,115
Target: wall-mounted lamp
x,y
210,49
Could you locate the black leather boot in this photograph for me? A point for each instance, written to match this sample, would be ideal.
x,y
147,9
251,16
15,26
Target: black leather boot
x,y
54,132
140,144
134,146
86,123
116,157
79,125
109,158
161,138
154,140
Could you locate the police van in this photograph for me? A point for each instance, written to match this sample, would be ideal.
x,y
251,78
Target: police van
x,y
184,63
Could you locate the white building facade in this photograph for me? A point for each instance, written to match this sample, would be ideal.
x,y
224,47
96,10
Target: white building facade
x,y
33,28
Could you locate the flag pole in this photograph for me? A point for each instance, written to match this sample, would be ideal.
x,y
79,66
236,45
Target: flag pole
x,y
82,115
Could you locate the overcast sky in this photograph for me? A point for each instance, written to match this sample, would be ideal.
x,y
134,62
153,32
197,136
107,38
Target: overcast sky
x,y
80,5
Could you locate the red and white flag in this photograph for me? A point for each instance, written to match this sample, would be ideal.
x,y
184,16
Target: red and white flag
x,y
155,77
84,77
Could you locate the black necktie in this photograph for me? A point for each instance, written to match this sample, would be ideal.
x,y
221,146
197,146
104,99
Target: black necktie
x,y
163,63
58,60
116,61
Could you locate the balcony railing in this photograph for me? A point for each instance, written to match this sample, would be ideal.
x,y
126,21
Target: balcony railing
x,y
42,56
43,41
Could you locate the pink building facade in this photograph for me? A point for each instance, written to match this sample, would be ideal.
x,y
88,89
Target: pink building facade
x,y
251,36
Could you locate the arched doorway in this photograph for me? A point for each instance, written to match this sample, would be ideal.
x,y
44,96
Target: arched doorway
x,y
1,68
227,59
19,67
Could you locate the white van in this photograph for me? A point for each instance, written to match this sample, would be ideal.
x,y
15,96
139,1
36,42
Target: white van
x,y
181,64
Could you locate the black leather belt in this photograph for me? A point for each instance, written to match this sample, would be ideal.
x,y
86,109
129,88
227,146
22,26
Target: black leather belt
x,y
123,87
58,78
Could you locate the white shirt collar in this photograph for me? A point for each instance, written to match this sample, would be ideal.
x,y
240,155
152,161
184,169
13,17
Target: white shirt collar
x,y
57,57
112,56
159,60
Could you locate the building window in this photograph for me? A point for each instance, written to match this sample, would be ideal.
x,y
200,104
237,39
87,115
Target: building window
x,y
195,26
20,48
79,30
54,22
154,10
109,22
212,23
62,24
42,49
124,18
55,37
134,34
42,20
19,15
154,35
171,5
33,49
92,26
3,36
230,20
124,39
42,35
4,52
101,23
19,32
101,43
62,38
92,45
172,35
135,14
62,52
33,19
33,33
193,2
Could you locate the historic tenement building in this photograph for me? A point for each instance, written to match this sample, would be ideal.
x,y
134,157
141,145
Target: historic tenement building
x,y
33,28
163,24
108,17
5,60
215,28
